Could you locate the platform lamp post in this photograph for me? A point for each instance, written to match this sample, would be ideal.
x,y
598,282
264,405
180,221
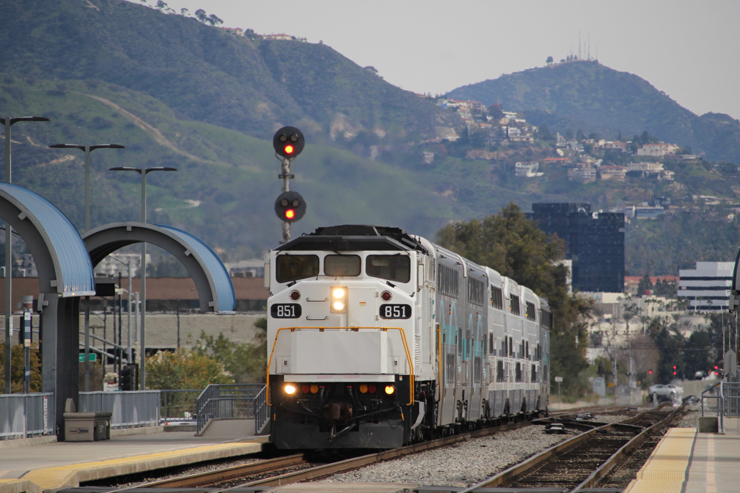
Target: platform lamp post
x,y
87,150
9,122
143,172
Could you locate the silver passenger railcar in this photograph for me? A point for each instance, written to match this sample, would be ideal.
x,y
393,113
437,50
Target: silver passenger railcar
x,y
377,338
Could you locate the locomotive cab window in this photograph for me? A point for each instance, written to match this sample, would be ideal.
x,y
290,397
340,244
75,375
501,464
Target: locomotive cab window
x,y
342,265
391,267
294,267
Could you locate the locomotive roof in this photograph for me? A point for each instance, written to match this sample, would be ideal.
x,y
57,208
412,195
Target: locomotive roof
x,y
351,237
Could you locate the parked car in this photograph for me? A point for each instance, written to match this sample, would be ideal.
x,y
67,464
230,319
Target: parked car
x,y
664,391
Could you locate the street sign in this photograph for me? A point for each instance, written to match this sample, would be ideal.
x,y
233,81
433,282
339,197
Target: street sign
x,y
558,379
93,357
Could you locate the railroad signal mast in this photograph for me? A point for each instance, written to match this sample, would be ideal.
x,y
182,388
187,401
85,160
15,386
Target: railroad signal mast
x,y
288,143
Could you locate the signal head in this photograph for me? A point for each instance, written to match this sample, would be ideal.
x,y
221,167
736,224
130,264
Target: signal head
x,y
288,142
290,206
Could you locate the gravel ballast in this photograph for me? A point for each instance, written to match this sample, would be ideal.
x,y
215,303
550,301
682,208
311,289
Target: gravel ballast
x,y
462,464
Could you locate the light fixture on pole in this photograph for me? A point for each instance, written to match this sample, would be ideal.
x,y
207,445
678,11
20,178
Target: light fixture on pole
x,y
87,150
9,122
143,172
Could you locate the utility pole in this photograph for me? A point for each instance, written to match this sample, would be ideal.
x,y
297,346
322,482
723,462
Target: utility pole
x,y
286,176
9,122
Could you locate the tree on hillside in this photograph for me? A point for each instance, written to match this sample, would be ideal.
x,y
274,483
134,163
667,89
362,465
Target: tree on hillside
x,y
496,111
184,11
545,134
514,246
201,15
549,60
213,20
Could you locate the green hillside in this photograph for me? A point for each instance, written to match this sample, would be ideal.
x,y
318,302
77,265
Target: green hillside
x,y
206,74
179,93
595,98
227,181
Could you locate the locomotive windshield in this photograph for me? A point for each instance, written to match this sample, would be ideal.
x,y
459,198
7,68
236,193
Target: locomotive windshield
x,y
392,267
294,267
342,265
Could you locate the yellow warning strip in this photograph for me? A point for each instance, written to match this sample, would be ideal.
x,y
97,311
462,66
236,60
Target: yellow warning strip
x,y
665,469
52,478
18,486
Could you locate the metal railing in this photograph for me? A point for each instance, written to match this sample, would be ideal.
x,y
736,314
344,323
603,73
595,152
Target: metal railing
x,y
179,405
130,409
726,396
27,415
261,410
228,401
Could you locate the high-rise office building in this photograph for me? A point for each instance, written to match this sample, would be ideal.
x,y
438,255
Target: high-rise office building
x,y
594,242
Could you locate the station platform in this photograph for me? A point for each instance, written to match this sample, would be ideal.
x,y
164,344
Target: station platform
x,y
686,461
56,465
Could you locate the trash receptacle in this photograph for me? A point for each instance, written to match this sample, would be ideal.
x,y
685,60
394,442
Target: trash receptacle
x,y
87,427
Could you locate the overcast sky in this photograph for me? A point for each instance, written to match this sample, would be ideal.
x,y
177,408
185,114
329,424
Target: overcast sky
x,y
688,49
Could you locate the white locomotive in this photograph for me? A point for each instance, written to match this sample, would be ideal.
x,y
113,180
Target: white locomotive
x,y
377,339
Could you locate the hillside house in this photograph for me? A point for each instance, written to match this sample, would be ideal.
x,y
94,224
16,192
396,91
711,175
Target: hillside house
x,y
643,211
236,31
657,150
647,168
616,173
283,37
574,145
528,169
608,144
562,161
585,174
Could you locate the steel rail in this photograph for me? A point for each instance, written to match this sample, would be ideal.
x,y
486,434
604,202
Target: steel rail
x,y
220,475
595,478
365,460
233,472
517,471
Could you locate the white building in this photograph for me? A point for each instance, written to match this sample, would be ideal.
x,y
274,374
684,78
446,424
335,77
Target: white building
x,y
708,286
528,169
647,168
657,150
585,174
110,267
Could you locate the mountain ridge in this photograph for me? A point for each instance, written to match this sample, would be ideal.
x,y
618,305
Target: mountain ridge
x,y
607,100
205,73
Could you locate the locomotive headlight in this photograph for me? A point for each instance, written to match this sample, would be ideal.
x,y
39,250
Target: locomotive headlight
x,y
339,300
389,389
289,388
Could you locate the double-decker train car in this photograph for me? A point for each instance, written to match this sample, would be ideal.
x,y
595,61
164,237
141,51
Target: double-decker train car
x,y
377,338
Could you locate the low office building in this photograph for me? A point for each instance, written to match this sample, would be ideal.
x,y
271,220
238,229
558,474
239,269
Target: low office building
x,y
708,286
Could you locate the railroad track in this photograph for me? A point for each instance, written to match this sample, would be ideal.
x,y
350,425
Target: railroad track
x,y
300,467
582,461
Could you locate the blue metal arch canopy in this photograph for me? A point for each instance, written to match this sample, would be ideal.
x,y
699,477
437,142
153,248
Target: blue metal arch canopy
x,y
61,258
215,290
